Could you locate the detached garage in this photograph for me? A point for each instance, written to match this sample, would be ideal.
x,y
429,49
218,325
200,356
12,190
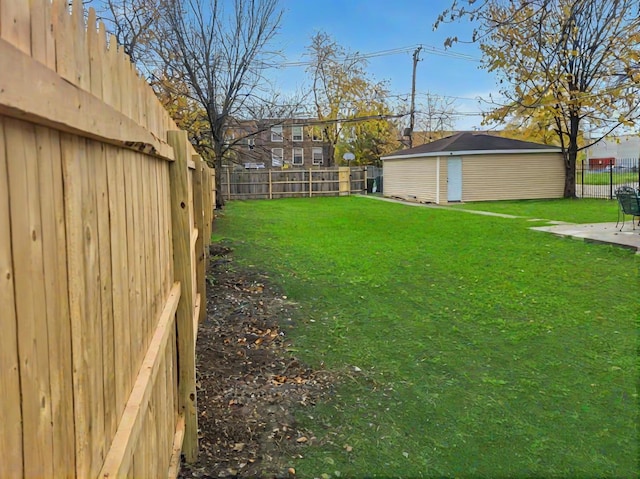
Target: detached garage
x,y
474,167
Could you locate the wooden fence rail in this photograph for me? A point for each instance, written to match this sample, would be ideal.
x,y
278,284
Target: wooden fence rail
x,y
290,183
105,217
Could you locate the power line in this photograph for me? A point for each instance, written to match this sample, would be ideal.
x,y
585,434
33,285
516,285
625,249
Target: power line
x,y
381,53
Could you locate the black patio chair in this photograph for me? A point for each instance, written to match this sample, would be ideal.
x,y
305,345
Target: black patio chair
x,y
628,204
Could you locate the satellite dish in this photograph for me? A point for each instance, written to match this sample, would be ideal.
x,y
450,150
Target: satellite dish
x,y
348,157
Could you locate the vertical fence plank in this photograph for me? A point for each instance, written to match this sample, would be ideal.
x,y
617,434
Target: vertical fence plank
x,y
181,232
81,51
119,266
14,24
172,386
164,228
169,266
145,264
42,41
10,412
116,76
198,213
153,207
213,186
206,187
211,202
161,431
110,88
33,341
56,293
134,307
72,156
63,40
95,47
106,331
93,302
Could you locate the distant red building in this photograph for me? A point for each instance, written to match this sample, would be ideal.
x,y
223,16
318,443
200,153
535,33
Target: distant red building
x,y
601,163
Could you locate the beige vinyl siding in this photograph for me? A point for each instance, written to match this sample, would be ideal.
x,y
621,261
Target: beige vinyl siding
x,y
513,176
444,171
411,179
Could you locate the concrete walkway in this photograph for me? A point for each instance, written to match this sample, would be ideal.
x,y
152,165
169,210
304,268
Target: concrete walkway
x,y
605,233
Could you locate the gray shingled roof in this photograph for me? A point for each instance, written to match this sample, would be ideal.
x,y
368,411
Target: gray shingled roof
x,y
472,142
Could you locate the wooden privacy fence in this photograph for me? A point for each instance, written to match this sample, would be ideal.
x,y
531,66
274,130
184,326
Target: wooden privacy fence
x,y
105,216
290,183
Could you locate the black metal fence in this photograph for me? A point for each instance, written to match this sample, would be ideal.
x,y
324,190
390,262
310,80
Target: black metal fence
x,y
600,179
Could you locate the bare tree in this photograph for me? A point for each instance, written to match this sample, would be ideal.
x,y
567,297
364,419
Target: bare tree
x,y
131,21
219,50
344,94
435,115
211,53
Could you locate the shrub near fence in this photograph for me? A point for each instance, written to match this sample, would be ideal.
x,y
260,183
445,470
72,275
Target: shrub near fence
x,y
104,221
292,183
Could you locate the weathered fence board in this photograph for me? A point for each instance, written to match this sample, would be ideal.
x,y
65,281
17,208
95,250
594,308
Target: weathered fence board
x,y
181,231
95,257
10,412
289,183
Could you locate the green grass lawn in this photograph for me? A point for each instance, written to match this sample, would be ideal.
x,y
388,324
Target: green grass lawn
x,y
468,346
605,177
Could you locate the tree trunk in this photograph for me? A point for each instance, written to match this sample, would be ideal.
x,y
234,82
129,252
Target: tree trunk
x,y
219,192
570,174
571,157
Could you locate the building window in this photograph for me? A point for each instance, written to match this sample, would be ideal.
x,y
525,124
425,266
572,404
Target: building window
x,y
298,156
276,156
296,133
316,133
316,155
276,133
251,143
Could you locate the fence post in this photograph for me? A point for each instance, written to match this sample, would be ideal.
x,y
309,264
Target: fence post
x,y
212,184
610,180
198,214
206,206
364,180
344,181
310,182
270,186
181,232
228,184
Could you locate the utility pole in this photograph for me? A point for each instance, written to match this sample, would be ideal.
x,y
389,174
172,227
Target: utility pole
x,y
413,95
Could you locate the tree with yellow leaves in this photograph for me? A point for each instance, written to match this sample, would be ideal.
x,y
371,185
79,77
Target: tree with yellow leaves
x,y
351,107
371,133
561,64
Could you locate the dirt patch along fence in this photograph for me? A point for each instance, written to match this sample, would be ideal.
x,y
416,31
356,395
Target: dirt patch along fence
x,y
105,215
293,183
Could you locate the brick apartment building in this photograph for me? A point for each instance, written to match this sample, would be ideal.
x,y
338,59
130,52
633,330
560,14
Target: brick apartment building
x,y
290,143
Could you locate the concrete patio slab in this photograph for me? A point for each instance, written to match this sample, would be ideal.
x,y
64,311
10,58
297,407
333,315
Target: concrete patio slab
x,y
605,233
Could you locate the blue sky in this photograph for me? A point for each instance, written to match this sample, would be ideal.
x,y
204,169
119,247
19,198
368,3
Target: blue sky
x,y
368,26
